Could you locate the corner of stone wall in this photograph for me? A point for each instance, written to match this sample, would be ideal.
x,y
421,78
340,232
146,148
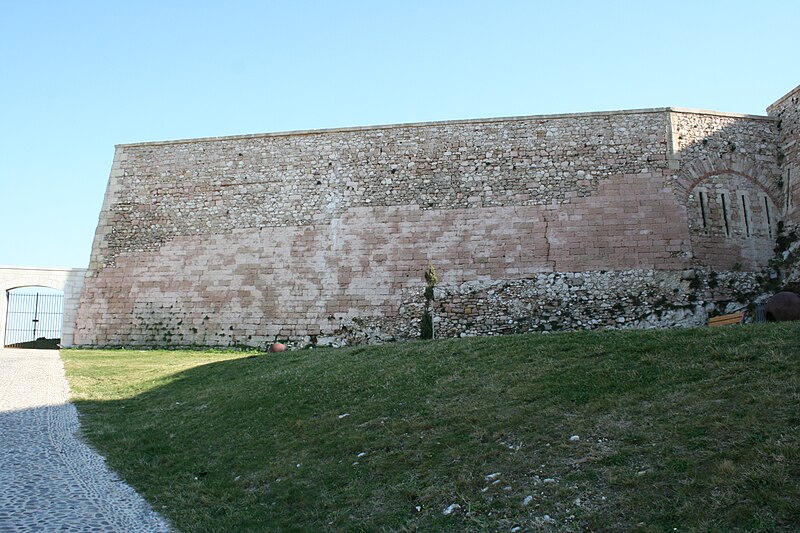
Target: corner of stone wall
x,y
787,259
72,297
787,110
98,256
80,330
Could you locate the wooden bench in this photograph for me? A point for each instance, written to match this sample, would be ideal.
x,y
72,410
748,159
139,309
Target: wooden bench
x,y
725,320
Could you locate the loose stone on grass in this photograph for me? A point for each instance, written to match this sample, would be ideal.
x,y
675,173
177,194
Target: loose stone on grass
x,y
450,509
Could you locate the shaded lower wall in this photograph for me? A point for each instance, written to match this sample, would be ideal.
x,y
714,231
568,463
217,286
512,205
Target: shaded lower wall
x,y
565,301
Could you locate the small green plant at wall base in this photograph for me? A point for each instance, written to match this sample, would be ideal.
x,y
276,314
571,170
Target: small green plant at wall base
x,y
427,317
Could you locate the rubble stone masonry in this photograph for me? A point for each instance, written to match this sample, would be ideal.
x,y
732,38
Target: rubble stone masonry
x,y
787,110
599,220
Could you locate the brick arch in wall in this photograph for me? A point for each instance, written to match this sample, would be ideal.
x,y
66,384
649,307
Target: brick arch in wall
x,y
694,172
731,204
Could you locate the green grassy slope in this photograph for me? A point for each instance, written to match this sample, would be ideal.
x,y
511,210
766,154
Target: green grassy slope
x,y
677,430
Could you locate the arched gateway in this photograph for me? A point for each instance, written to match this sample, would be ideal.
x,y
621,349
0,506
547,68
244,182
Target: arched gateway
x,y
68,280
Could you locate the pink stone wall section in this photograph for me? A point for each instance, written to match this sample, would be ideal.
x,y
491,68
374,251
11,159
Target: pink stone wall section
x,y
252,286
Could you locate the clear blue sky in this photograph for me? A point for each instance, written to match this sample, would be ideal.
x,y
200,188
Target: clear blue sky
x,y
78,77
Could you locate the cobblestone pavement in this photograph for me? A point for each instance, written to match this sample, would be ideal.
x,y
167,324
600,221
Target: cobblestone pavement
x,y
50,480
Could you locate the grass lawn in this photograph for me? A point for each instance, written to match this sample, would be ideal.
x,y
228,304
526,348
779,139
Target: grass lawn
x,y
678,430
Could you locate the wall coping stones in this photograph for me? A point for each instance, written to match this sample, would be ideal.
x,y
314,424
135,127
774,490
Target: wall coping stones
x,y
496,120
782,99
690,111
46,269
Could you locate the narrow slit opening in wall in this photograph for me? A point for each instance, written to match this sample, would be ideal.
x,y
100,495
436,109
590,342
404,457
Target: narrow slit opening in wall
x,y
769,218
788,189
724,202
745,215
702,196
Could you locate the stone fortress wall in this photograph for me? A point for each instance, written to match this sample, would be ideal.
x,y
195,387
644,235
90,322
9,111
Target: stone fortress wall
x,y
595,220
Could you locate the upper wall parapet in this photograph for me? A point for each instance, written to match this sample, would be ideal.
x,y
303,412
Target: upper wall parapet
x,y
782,101
460,122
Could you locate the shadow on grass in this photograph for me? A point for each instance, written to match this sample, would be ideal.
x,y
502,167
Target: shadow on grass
x,y
689,429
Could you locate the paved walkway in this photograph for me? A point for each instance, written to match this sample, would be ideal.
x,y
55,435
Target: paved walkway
x,y
49,479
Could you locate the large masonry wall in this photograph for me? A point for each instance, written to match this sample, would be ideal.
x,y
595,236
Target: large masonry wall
x,y
533,223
